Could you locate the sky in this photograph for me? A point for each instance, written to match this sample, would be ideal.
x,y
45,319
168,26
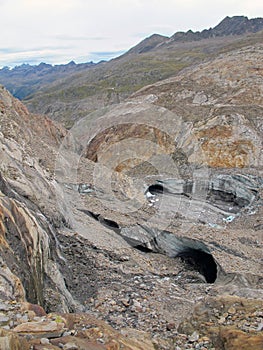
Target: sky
x,y
59,31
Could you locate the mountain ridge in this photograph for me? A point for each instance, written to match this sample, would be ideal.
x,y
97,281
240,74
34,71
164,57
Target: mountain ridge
x,y
70,96
236,25
20,80
136,238
146,215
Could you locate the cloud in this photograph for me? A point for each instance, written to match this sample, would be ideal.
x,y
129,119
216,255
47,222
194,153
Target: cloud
x,y
18,50
65,37
101,55
85,28
16,56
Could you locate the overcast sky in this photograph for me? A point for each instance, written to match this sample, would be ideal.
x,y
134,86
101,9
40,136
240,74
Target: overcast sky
x,y
58,31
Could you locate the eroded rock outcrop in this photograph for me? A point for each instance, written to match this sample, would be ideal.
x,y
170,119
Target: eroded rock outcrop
x,y
30,253
29,247
135,218
222,101
221,197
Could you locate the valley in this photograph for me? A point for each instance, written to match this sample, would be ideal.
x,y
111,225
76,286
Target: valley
x,y
131,197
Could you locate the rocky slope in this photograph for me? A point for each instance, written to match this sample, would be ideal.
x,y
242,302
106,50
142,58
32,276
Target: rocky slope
x,y
144,221
34,263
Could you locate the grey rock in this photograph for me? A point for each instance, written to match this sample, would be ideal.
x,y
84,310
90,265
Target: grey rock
x,y
4,319
4,307
70,346
193,337
200,98
6,328
165,242
222,191
44,341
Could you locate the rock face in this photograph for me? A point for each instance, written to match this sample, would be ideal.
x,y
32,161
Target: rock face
x,y
139,213
224,99
212,117
29,246
224,194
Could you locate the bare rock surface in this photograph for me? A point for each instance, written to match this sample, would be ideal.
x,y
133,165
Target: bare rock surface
x,y
140,228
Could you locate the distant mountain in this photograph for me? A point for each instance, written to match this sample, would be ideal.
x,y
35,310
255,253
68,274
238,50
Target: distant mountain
x,y
68,92
25,79
236,25
149,43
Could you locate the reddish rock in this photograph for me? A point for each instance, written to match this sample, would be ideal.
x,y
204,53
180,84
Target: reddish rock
x,y
234,339
37,309
46,326
113,340
11,341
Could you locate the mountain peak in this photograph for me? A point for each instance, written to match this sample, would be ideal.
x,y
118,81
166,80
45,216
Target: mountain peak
x,y
235,25
238,25
149,43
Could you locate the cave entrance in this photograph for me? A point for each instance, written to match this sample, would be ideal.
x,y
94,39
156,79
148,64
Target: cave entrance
x,y
156,189
200,261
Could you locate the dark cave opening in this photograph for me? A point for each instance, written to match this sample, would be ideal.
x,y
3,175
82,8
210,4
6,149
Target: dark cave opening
x,y
197,258
201,261
90,214
112,225
156,188
143,248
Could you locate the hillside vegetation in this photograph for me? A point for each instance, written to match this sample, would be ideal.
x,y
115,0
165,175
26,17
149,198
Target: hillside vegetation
x,y
67,93
111,82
